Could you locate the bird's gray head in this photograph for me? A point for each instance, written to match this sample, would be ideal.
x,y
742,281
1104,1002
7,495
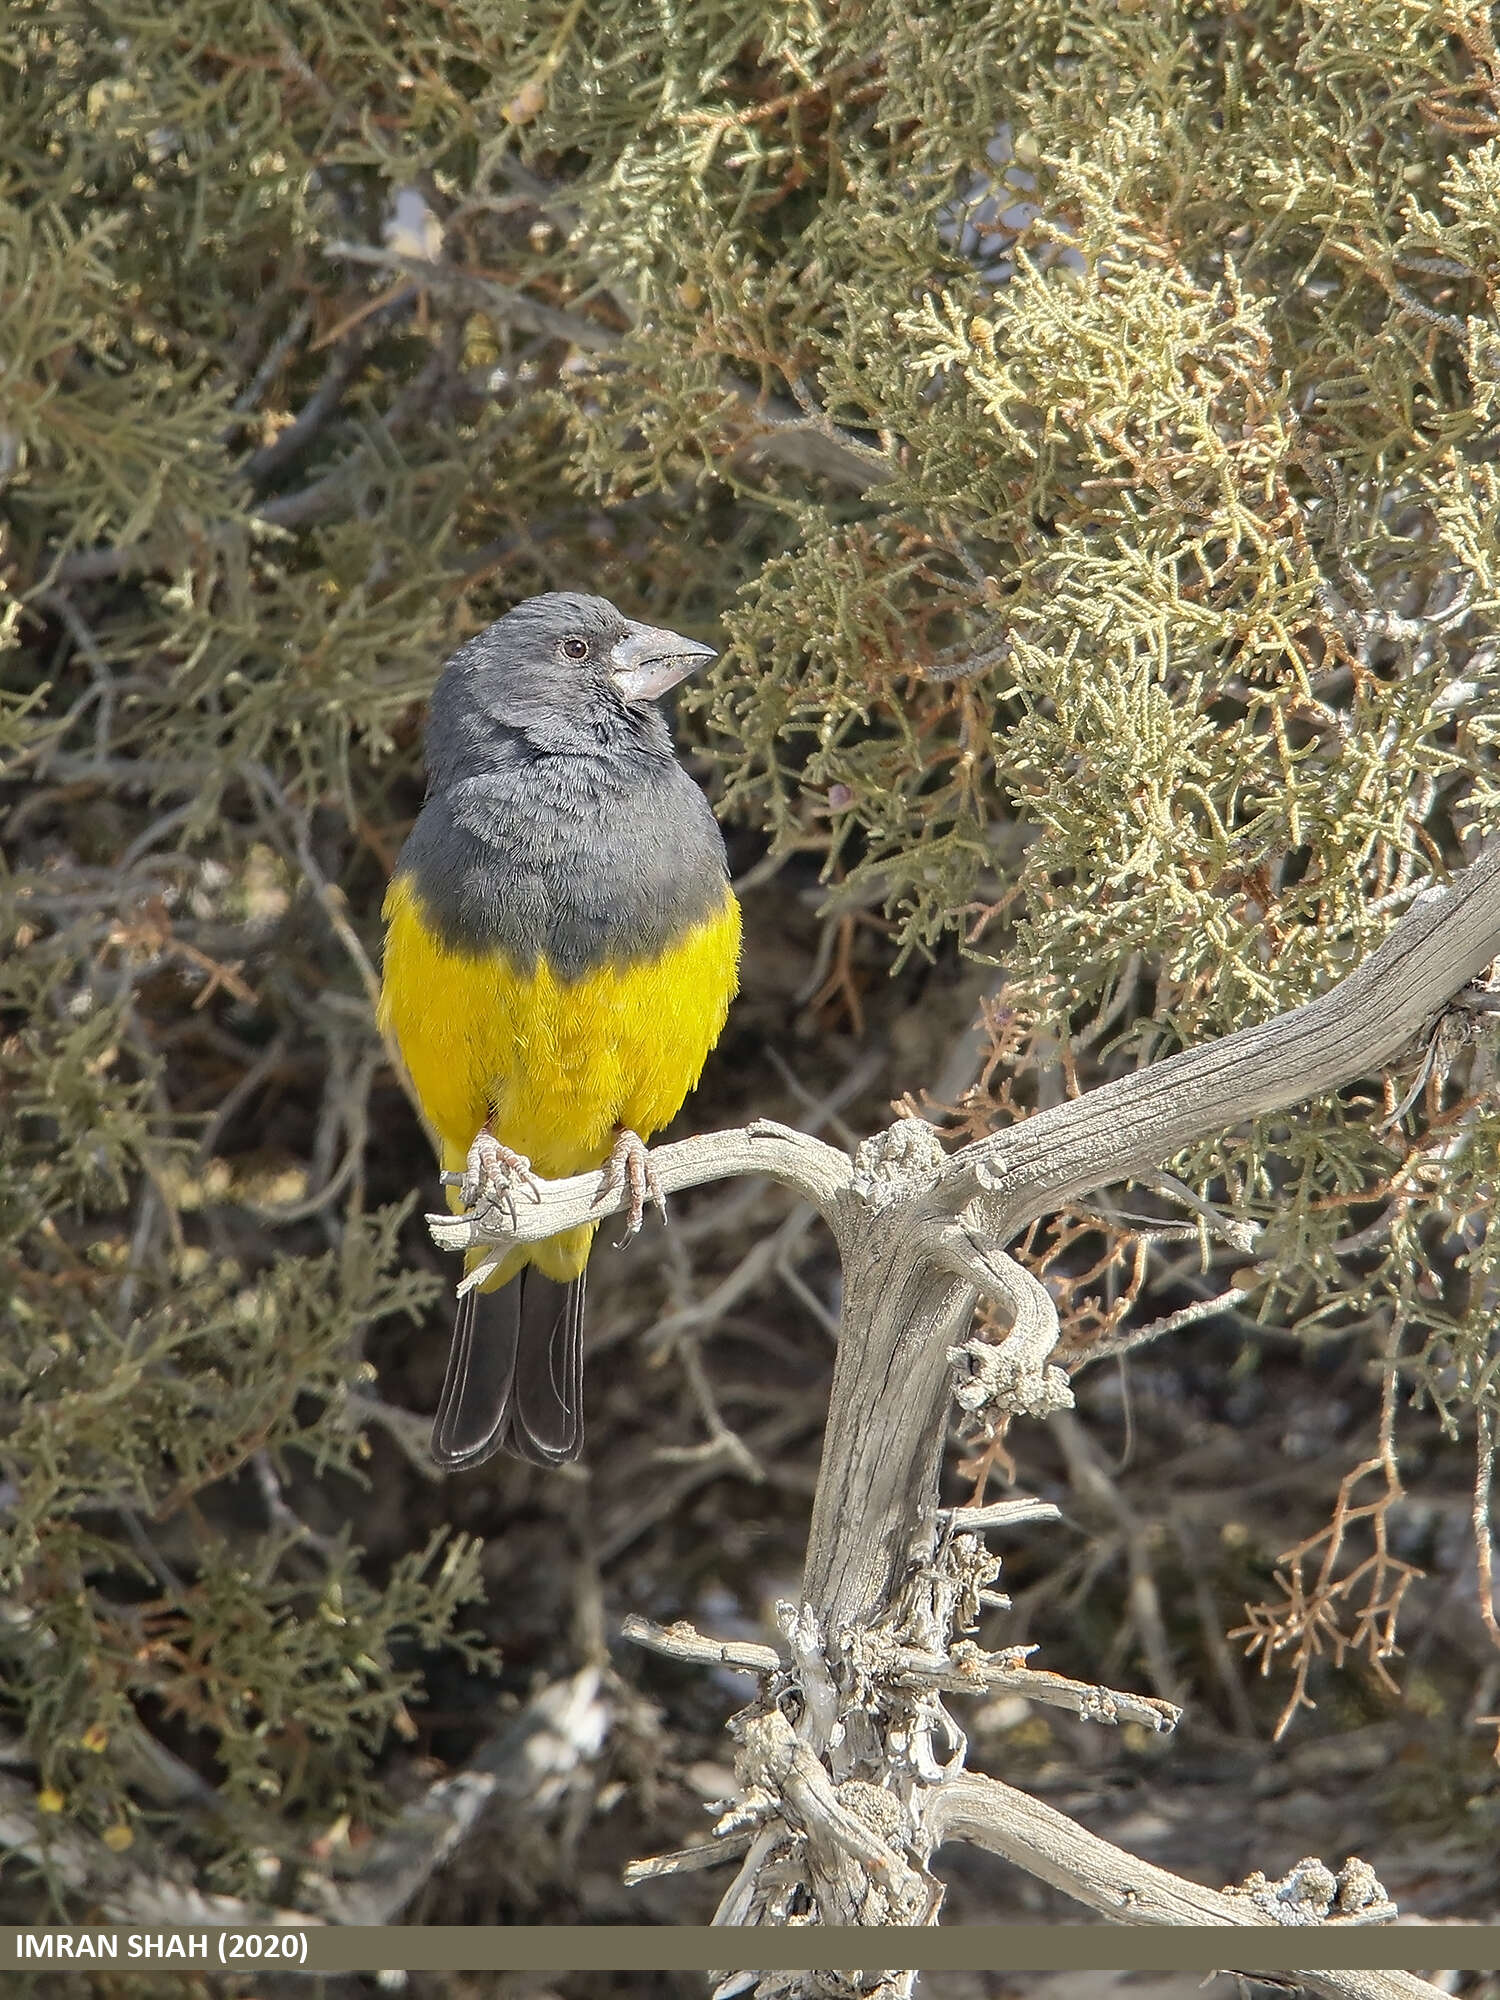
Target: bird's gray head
x,y
563,672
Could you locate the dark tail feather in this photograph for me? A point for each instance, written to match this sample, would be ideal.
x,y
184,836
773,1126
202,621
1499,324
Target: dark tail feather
x,y
481,1370
515,1375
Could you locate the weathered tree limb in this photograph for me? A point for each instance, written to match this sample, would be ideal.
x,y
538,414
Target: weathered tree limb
x,y
681,1642
964,1670
820,1173
1049,1845
851,1767
897,1308
1447,937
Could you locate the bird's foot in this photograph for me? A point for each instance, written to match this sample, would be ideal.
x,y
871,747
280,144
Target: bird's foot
x,y
493,1176
629,1167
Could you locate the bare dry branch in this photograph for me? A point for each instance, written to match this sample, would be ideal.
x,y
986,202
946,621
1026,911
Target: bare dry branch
x,y
1445,940
1055,1848
681,1642
851,1768
817,1171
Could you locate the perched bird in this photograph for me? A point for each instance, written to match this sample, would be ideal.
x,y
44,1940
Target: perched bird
x,y
562,946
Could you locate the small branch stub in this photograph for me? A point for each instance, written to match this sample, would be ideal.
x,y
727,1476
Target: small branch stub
x,y
1311,1893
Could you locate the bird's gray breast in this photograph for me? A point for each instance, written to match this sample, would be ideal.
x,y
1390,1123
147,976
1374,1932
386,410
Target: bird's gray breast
x,y
569,859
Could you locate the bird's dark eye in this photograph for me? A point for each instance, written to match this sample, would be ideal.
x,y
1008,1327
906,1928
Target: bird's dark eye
x,y
576,649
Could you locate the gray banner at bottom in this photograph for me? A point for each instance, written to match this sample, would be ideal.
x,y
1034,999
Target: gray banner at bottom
x,y
1320,1949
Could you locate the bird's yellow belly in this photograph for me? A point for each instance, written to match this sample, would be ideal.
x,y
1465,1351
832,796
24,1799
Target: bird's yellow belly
x,y
553,1065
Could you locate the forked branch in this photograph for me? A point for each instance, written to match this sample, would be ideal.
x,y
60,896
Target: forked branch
x,y
851,1766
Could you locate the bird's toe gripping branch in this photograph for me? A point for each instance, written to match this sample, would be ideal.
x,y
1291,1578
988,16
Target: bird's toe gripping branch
x,y
629,1166
493,1176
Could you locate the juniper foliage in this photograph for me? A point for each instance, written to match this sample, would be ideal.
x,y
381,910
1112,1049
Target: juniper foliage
x,y
1082,417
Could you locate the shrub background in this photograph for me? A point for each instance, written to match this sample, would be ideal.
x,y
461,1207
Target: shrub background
x,y
1080,423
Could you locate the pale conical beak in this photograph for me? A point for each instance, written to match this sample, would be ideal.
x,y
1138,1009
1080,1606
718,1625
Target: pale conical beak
x,y
649,660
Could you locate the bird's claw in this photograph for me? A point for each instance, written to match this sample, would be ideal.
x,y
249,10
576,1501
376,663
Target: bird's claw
x,y
629,1166
493,1175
